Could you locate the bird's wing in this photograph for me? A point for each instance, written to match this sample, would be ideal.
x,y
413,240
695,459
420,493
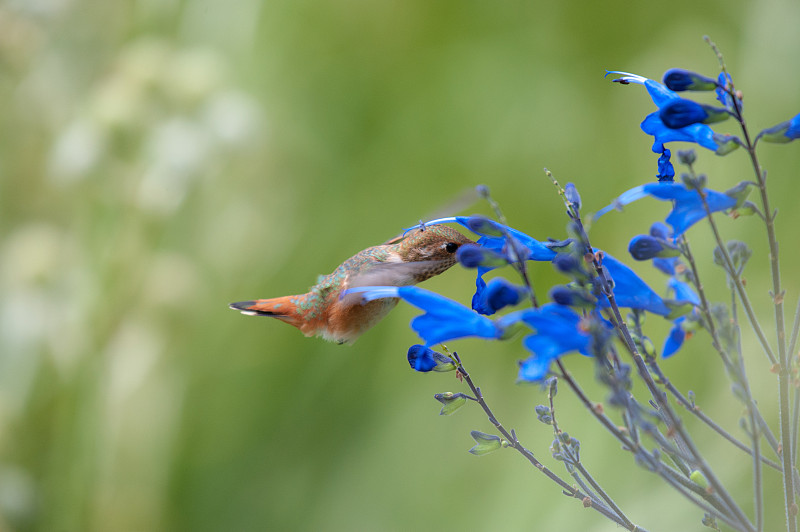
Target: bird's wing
x,y
388,274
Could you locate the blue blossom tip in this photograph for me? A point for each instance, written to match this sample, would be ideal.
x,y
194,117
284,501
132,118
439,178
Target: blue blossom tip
x,y
675,339
474,256
483,226
678,79
497,295
571,192
570,296
570,265
782,133
646,247
679,113
660,230
424,359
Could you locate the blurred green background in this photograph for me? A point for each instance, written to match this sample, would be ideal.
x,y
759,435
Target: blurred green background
x,y
161,158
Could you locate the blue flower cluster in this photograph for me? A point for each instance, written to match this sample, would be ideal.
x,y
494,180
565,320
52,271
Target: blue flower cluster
x,y
577,319
681,119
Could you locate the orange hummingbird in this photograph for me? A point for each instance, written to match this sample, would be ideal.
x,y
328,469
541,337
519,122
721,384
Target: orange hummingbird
x,y
402,261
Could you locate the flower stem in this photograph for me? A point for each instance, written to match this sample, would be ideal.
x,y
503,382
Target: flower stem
x,y
513,442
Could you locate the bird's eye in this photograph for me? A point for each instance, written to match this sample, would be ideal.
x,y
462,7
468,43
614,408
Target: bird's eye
x,y
451,247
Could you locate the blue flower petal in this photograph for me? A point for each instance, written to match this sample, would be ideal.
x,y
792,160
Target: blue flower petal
x,y
687,208
498,294
558,332
683,291
666,265
444,319
630,291
675,338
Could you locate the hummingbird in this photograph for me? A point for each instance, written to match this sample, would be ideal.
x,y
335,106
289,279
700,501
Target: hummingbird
x,y
402,261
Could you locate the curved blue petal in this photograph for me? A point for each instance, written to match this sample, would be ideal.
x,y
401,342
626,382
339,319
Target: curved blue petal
x,y
630,291
498,294
688,207
683,291
675,338
444,319
687,204
558,332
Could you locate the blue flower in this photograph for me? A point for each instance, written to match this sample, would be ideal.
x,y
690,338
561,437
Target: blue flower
x,y
498,294
425,359
444,319
630,291
783,132
653,124
558,331
687,204
678,79
675,338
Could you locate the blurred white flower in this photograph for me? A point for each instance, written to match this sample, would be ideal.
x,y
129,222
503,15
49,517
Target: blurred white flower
x,y
233,117
77,149
175,152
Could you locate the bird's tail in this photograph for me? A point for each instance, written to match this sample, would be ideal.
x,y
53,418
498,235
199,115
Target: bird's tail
x,y
283,308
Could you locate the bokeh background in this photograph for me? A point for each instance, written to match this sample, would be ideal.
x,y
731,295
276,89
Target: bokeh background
x,y
161,158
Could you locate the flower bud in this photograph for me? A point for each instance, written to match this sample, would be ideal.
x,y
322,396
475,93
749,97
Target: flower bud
x,y
450,401
484,443
678,79
498,294
687,157
424,359
484,226
740,192
680,113
473,256
572,195
783,132
646,247
572,297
